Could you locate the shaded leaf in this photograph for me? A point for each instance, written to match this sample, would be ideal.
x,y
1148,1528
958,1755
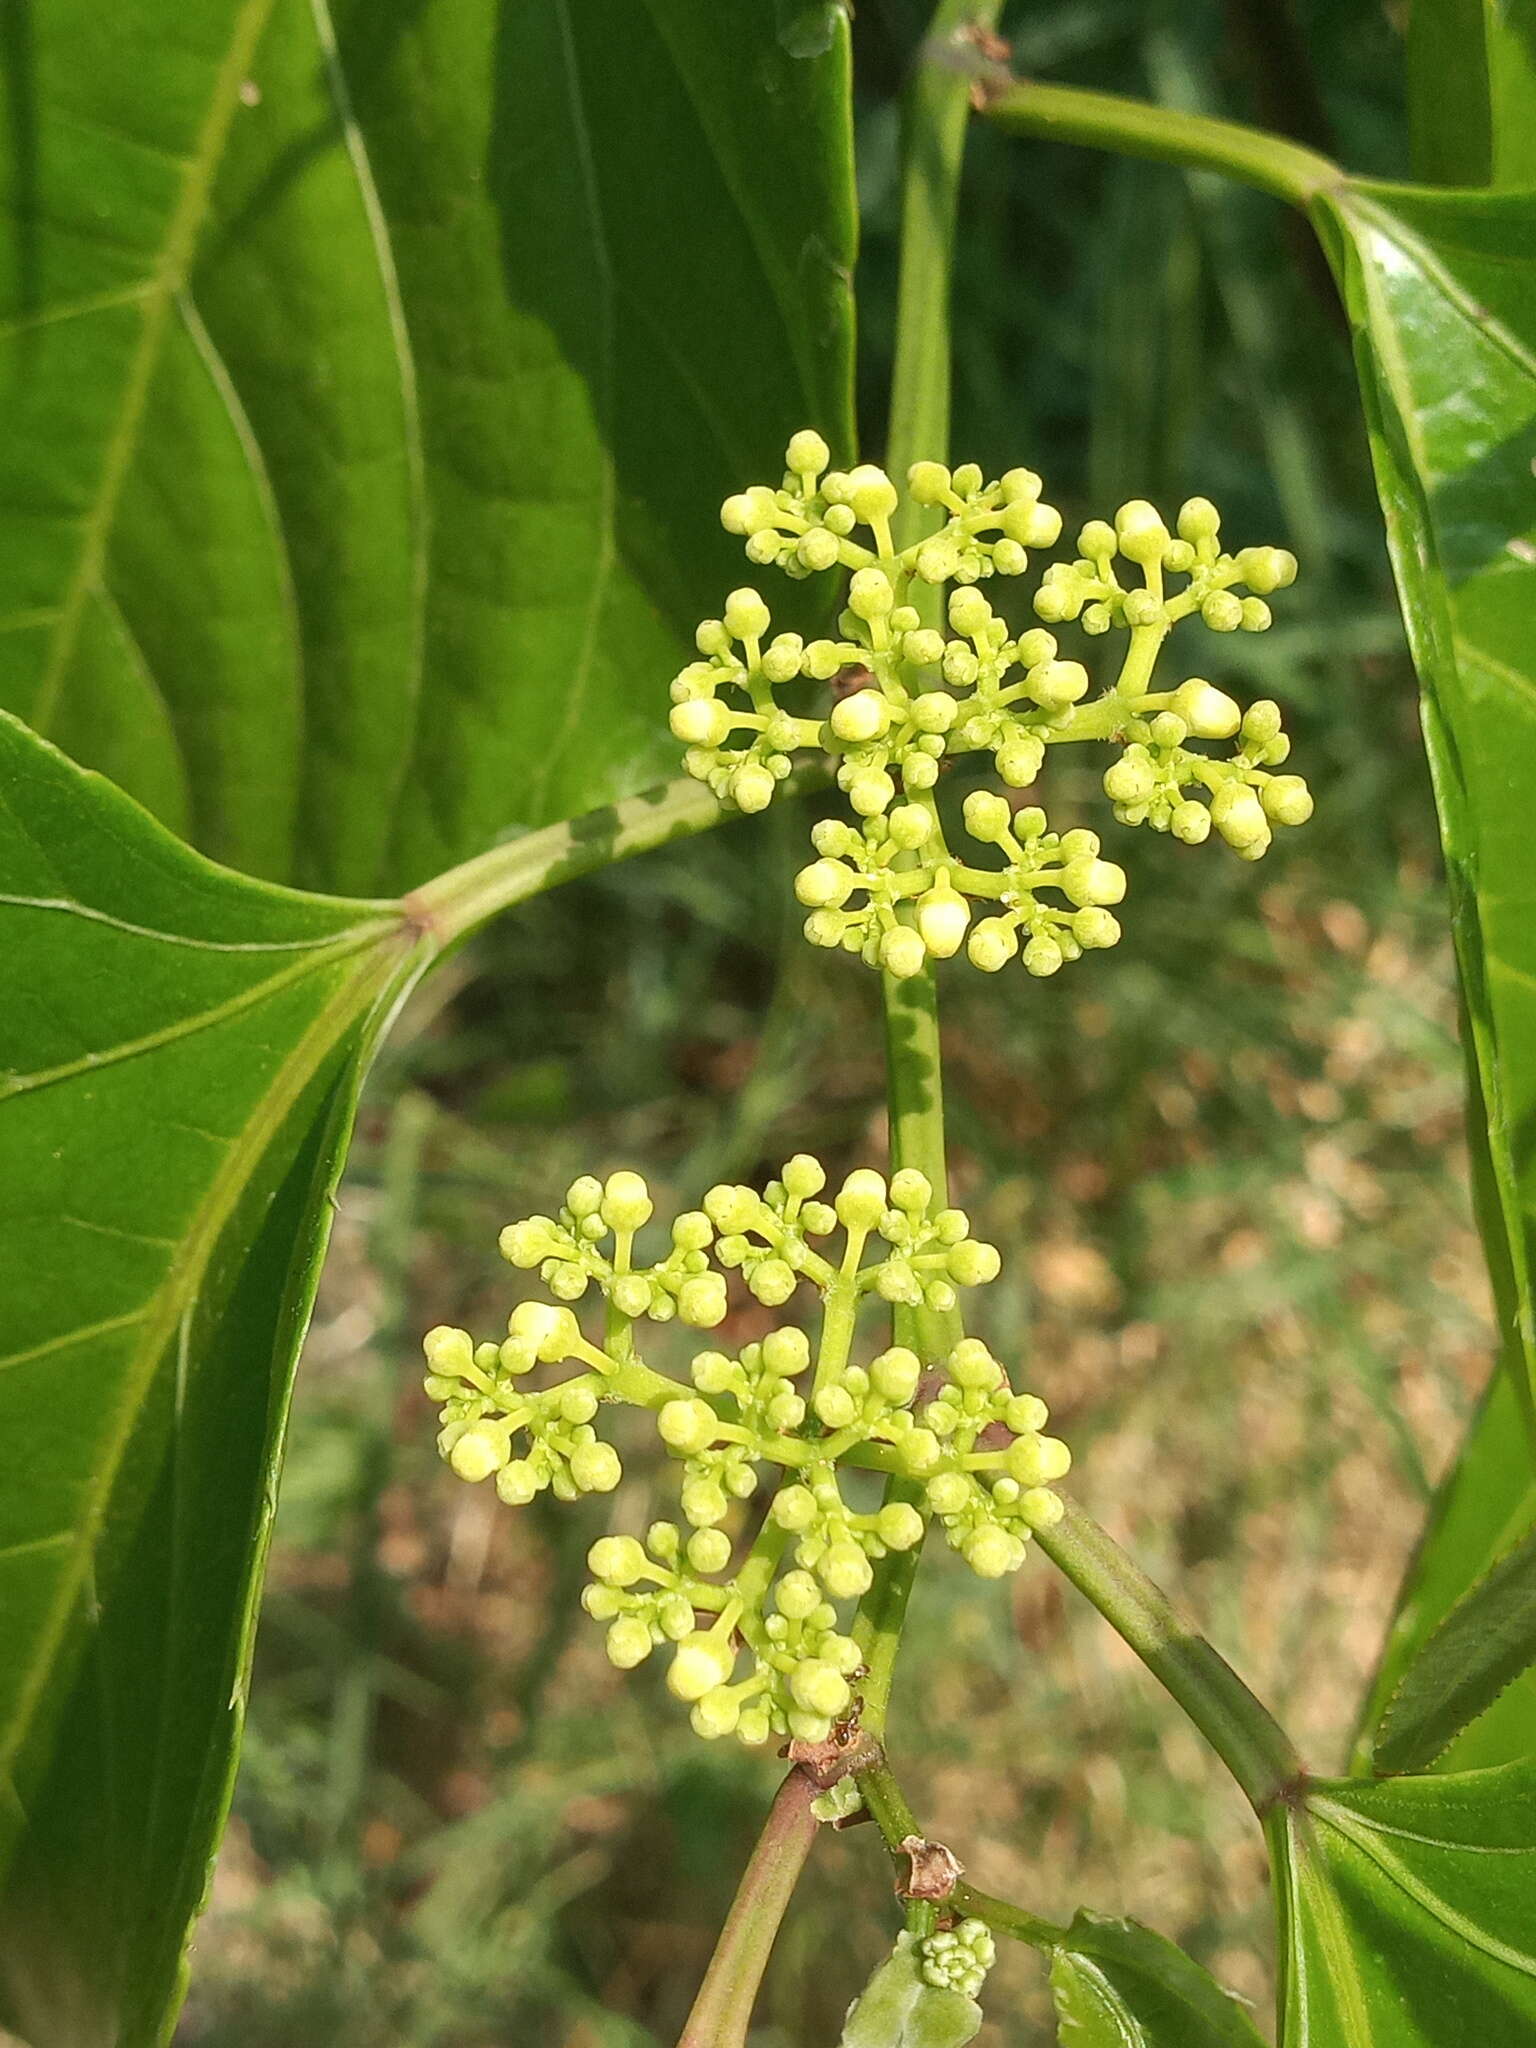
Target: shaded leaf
x,y
1116,1984
1472,91
372,382
1486,1503
1405,1912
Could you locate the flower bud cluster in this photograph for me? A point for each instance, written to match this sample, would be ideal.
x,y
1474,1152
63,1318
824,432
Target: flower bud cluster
x,y
958,1958
904,2006
761,1643
907,695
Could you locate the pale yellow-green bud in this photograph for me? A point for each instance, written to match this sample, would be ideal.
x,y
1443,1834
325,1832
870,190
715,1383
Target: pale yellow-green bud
x,y
782,658
819,1689
992,944
746,616
1140,532
716,1714
1042,956
987,816
894,1375
701,1301
797,1596
1056,684
928,483
807,453
971,1364
834,1406
899,1526
1222,611
626,1203
449,1351
911,1191
752,787
1092,880
1130,780
943,916
551,1332
595,1468
1019,758
910,826
1287,800
1039,1508
1094,929
749,511
477,1454
1209,713
617,1560
847,1574
871,493
972,1263
817,550
902,952
794,1508
870,595
517,1483
862,1199
871,791
825,884
969,612
709,1551
628,1642
1239,816
788,1351
1191,822
687,1425
935,711
701,1663
1198,520
923,648
989,1552
863,716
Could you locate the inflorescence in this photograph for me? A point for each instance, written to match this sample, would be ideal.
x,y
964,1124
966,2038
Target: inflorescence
x,y
758,1644
907,694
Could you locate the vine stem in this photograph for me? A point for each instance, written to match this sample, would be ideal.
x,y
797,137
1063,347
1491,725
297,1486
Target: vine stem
x,y
1136,128
722,2012
1241,1730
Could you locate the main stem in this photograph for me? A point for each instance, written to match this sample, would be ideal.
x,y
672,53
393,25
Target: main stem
x,y
722,2012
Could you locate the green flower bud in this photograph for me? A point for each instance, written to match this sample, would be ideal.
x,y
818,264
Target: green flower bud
x,y
943,916
630,1294
693,1231
1140,532
449,1351
973,1264
847,1574
551,1332
990,1552
819,1689
834,1406
825,884
713,1373
703,1503
732,1209
794,1508
716,1714
626,1203
920,1451
477,1454
1056,684
746,616
1130,780
628,1642
1095,881
971,1364
902,952
709,1551
617,1560
1198,520
894,1375
871,493
924,649
803,1176
700,1664
517,1483
1191,822
987,816
928,483
1009,558
826,927
1239,816
1095,929
870,595
786,1352
595,1467
1261,722
937,560
797,1596
1095,540
1141,608
969,613
1266,569
751,788
948,1493
700,722
863,716
807,453
817,550
1042,956
701,1301
871,791
1222,611
687,1425
933,712
772,1282
1039,1508
899,1526
1019,758
1255,616
992,944
1209,713
1287,800
862,1200
910,826
911,1191
782,658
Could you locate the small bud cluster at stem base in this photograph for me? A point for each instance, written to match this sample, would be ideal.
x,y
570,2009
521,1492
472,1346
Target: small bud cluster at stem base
x,y
759,1644
908,698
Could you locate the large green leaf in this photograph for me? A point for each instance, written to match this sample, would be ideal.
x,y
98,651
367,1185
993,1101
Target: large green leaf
x,y
1472,91
1118,1985
1441,290
1405,1912
371,379
180,1051
1485,1506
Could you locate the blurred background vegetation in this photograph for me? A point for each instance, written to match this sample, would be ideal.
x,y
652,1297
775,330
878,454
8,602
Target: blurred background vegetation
x,y
1224,1163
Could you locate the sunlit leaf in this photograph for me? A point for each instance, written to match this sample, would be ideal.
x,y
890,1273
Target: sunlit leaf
x,y
1118,1985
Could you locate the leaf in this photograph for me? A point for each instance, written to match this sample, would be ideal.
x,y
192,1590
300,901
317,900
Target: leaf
x,y
364,445
1484,1644
1118,1985
1441,291
1486,1503
1405,1911
1472,91
180,1053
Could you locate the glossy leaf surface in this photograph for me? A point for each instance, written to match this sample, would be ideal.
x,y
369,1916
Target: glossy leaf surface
x,y
373,378
1116,1984
180,1050
1405,1912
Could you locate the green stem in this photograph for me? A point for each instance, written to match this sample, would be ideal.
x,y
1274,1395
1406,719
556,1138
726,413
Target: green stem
x,y
452,905
1241,1730
933,144
888,1807
1135,128
722,2012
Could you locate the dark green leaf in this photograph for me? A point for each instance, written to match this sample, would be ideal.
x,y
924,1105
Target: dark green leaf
x,y
1486,1641
1406,1912
1441,289
1118,1985
1486,1504
1472,91
180,1050
372,383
